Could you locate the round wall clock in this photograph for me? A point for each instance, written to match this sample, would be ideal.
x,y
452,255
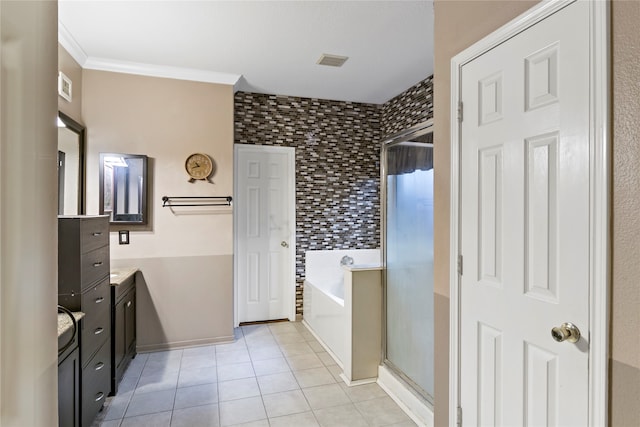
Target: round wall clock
x,y
199,166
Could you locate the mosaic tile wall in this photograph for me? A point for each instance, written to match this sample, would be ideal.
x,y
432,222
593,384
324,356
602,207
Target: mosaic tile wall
x,y
337,161
413,106
337,167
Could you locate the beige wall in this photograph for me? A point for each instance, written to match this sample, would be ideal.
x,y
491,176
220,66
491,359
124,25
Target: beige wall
x,y
28,206
625,293
186,256
71,69
458,24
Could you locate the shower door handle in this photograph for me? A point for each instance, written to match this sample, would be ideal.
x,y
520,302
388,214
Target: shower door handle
x,y
284,244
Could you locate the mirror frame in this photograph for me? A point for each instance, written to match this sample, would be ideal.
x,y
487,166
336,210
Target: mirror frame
x,y
81,130
145,187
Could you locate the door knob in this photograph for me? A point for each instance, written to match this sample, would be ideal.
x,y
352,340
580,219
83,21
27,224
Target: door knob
x,y
284,244
566,332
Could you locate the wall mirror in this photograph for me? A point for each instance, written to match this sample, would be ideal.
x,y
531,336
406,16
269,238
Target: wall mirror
x,y
123,188
71,136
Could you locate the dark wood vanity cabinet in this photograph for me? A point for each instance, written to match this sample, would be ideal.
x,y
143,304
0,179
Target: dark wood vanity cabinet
x,y
69,386
84,285
123,297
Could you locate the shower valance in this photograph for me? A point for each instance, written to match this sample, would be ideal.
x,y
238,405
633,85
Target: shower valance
x,y
405,158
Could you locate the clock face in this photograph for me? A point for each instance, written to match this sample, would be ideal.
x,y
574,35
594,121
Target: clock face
x,y
199,166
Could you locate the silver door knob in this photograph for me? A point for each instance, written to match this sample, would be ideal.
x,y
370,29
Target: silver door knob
x,y
284,244
566,332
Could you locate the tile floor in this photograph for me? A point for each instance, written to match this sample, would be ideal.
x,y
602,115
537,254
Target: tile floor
x,y
274,375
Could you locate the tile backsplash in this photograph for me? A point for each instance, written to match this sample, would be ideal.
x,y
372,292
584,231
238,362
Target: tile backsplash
x,y
337,161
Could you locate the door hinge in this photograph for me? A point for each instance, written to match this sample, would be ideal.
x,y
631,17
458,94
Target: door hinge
x,y
460,112
459,417
460,265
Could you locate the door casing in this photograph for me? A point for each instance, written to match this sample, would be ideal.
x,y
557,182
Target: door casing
x,y
289,288
600,154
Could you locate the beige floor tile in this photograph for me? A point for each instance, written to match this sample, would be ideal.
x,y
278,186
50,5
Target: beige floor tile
x,y
238,389
304,361
314,377
242,411
359,393
271,366
296,349
265,352
325,396
235,372
197,416
276,383
285,403
232,357
305,419
340,416
197,395
381,411
150,403
162,419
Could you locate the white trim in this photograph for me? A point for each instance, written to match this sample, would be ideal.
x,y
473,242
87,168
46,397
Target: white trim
x,y
415,407
290,288
151,70
71,45
599,176
116,66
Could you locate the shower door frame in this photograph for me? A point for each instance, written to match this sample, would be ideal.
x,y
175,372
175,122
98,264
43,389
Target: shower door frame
x,y
391,141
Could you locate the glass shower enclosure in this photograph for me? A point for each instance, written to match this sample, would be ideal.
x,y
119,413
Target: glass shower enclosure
x,y
407,194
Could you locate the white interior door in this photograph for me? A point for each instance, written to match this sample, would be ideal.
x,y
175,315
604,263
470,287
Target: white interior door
x,y
525,177
265,233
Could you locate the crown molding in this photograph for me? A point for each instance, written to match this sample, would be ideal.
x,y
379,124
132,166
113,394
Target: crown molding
x,y
179,73
71,45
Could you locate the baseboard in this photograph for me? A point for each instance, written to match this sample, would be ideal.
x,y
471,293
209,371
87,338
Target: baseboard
x,y
350,383
184,344
420,411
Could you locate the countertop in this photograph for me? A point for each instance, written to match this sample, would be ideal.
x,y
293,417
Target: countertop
x,y
120,275
65,323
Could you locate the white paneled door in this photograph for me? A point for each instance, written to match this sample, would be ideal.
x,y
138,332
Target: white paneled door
x,y
525,159
265,233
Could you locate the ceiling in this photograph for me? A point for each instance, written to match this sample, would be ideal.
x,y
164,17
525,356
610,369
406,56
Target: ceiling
x,y
258,46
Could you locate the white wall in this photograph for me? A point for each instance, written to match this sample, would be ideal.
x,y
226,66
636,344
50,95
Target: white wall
x,y
28,208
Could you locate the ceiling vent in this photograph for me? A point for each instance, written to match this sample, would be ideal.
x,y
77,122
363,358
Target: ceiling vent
x,y
332,60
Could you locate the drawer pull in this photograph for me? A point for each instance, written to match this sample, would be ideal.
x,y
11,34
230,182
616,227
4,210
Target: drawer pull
x,y
99,300
99,396
97,233
97,264
99,366
128,303
98,331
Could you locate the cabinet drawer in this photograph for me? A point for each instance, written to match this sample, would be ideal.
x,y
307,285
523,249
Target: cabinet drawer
x,y
94,265
94,233
95,301
96,383
94,334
